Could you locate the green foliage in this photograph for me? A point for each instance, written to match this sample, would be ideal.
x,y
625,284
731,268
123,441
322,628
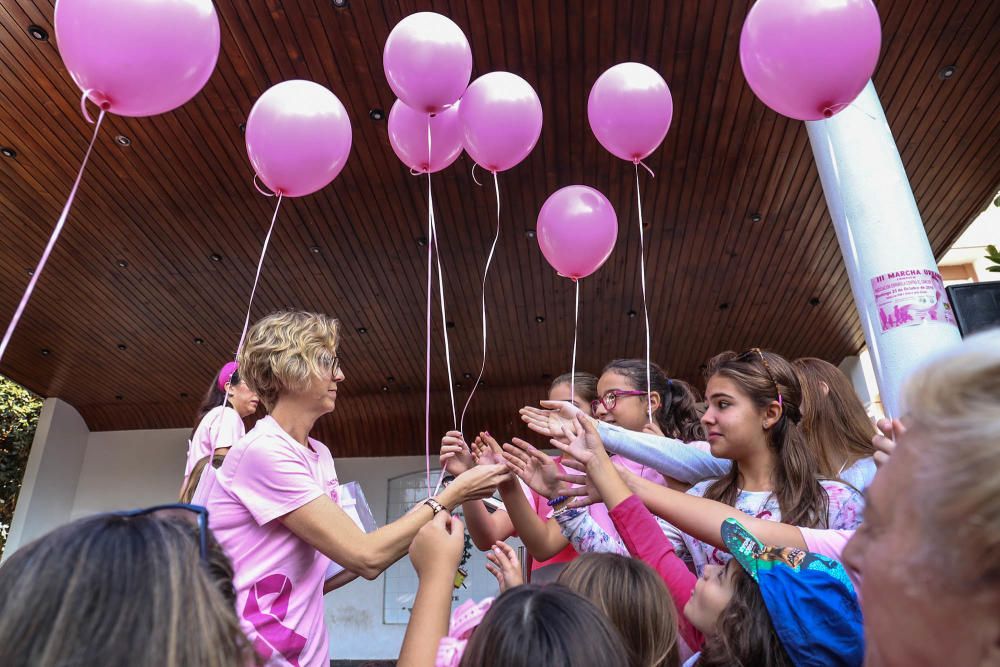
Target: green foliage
x,y
994,256
19,410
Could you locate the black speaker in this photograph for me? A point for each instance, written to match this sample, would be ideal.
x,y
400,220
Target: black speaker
x,y
977,306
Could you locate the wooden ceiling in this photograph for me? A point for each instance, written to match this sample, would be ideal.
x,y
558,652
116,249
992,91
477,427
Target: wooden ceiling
x,y
181,192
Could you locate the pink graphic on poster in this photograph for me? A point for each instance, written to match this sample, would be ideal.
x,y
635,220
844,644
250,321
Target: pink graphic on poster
x,y
910,297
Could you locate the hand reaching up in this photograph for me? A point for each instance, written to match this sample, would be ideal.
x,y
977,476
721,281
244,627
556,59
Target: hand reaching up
x,y
504,565
535,468
586,445
487,450
885,441
456,457
436,550
553,419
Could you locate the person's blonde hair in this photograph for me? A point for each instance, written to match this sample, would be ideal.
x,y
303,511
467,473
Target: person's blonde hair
x,y
636,601
953,420
285,350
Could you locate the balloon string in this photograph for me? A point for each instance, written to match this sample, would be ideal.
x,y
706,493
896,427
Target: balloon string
x,y
259,189
260,265
576,324
645,310
51,244
474,179
427,388
644,166
489,260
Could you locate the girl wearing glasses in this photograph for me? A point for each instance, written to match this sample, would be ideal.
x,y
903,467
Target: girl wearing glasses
x,y
273,506
219,422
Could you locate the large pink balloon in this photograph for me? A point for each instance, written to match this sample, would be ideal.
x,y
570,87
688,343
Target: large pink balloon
x,y
501,120
577,230
809,60
630,110
408,137
138,57
427,61
298,137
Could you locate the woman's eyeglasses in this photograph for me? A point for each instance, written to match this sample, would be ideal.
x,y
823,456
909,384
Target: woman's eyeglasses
x,y
767,368
610,399
184,511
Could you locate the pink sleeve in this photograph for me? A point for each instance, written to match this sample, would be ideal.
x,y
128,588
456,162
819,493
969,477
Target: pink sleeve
x,y
829,543
228,429
271,480
645,540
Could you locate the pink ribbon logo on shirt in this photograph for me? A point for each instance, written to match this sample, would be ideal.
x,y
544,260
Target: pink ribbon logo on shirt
x,y
272,634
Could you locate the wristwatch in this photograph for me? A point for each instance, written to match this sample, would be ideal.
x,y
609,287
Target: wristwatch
x,y
434,505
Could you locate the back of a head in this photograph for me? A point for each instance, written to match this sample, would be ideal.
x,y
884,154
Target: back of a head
x,y
191,485
534,625
119,591
636,601
584,385
834,420
952,408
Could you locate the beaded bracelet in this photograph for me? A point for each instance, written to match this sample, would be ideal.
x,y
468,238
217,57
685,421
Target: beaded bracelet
x,y
558,499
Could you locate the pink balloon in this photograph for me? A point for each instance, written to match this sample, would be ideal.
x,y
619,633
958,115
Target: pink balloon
x,y
501,120
408,137
298,137
809,60
577,230
138,57
630,110
427,61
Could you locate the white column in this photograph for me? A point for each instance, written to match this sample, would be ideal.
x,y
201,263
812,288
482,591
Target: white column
x,y
51,475
904,310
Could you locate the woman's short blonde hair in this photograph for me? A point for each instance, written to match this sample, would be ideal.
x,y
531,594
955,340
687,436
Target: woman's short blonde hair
x,y
284,351
953,410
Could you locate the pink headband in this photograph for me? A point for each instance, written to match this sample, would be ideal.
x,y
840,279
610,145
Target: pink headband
x,y
226,374
466,618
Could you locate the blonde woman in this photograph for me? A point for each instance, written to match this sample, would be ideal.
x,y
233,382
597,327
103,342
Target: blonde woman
x,y
274,505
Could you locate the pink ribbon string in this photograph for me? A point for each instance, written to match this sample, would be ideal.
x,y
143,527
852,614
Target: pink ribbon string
x,y
427,403
645,310
576,326
36,274
486,272
260,265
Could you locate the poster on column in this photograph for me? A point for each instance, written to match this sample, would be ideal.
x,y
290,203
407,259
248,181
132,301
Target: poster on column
x,y
910,297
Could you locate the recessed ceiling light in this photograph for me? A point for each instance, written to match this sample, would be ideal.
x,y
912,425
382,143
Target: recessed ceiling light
x,y
199,341
530,233
243,128
7,151
814,301
29,272
631,314
376,114
467,376
458,385
947,72
421,241
385,388
362,330
723,306
539,319
119,397
314,249
341,4
755,217
122,140
45,352
122,263
39,33
184,394
390,379
450,325
122,347
215,257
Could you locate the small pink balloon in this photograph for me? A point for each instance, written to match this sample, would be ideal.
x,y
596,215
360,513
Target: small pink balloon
x,y
810,60
298,137
577,230
138,58
501,120
408,137
629,109
427,61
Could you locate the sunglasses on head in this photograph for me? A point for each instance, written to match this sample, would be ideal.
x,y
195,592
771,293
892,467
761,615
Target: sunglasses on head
x,y
184,511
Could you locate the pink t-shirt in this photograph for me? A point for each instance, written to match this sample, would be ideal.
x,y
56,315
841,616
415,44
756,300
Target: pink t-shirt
x,y
278,577
221,425
826,542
